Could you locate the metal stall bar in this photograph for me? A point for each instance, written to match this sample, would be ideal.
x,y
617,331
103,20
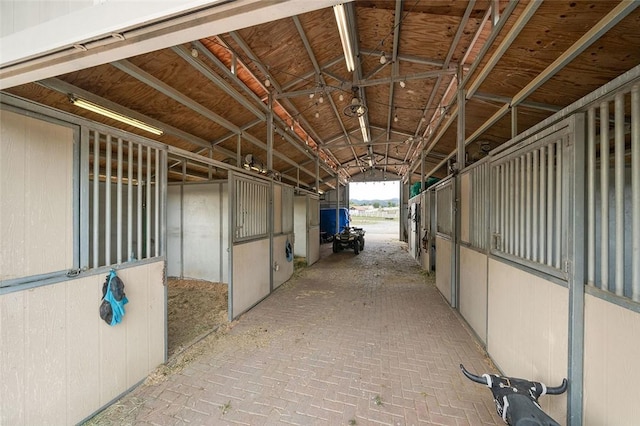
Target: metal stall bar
x,y
147,209
591,196
619,192
635,191
516,206
140,202
163,183
604,199
119,204
550,202
96,198
502,181
130,200
156,206
107,205
512,207
527,202
82,243
558,225
535,203
542,255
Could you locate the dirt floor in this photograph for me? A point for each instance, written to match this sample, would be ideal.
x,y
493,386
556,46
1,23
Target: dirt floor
x,y
195,308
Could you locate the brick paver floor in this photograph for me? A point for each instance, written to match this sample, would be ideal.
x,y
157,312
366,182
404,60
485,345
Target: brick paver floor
x,y
352,340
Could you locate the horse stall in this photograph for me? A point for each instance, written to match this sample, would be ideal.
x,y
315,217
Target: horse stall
x,y
78,200
306,222
217,228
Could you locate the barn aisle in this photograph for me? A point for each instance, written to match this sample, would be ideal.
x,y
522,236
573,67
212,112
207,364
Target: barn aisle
x,y
361,340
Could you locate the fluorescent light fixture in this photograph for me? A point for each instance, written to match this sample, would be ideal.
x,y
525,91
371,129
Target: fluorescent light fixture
x,y
343,29
363,129
90,106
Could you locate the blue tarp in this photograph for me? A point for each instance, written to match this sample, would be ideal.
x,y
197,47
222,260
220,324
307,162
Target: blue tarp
x,y
328,220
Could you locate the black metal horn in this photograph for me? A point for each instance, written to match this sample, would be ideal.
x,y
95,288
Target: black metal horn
x,y
473,377
558,389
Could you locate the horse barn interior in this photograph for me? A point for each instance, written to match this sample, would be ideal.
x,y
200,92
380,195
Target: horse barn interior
x,y
245,117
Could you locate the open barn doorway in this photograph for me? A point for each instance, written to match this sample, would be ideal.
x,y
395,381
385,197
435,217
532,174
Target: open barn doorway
x,y
375,207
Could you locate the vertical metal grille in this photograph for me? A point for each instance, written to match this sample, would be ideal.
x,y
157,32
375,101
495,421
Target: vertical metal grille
x,y
478,212
251,202
613,194
287,209
444,212
124,199
527,202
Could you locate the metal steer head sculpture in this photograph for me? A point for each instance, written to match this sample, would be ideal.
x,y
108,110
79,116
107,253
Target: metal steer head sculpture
x,y
517,399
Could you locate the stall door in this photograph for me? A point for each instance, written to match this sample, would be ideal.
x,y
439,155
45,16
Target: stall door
x,y
444,240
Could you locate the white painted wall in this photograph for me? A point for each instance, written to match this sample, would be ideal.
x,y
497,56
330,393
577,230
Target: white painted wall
x,y
197,230
59,362
36,193
611,373
18,15
473,290
527,331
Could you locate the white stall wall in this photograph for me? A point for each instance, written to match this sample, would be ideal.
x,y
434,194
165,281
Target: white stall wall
x,y
611,374
251,274
59,362
197,229
527,331
36,193
473,290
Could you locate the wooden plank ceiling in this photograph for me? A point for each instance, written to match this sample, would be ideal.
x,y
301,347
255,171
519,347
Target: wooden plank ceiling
x,y
410,96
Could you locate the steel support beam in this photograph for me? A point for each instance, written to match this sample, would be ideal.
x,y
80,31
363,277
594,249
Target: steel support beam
x,y
522,21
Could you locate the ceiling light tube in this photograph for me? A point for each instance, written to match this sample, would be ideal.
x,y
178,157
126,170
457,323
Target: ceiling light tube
x,y
90,106
343,29
363,129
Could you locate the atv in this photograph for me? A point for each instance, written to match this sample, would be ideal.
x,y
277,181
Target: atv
x,y
350,237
